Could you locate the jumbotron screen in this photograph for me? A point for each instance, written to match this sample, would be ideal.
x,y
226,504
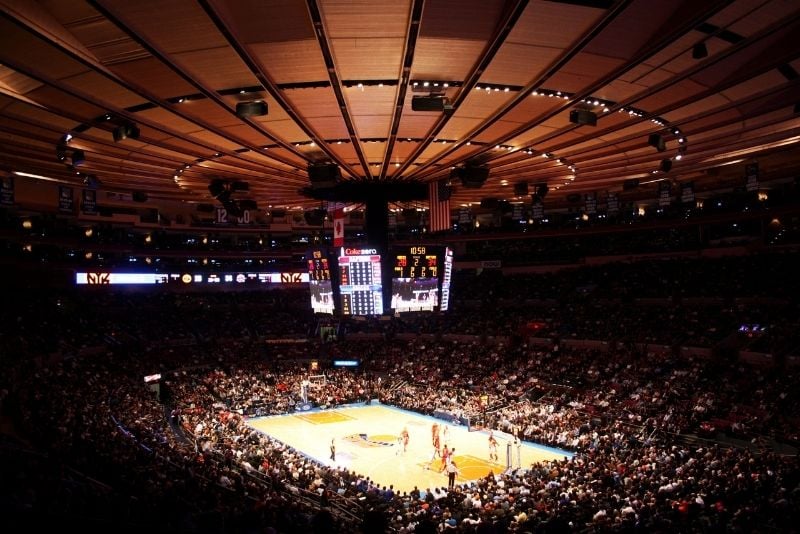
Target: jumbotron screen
x,y
417,276
321,296
415,294
319,281
360,286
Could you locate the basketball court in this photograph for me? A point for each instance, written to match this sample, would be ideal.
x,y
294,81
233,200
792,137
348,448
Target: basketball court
x,y
366,440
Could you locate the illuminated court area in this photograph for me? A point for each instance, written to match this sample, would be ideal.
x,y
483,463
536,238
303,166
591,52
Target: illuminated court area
x,y
366,440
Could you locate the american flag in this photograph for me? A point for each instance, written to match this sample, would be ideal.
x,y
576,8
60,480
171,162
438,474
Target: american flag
x,y
439,197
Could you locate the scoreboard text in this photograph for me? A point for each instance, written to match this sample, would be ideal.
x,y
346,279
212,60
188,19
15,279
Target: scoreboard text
x,y
416,262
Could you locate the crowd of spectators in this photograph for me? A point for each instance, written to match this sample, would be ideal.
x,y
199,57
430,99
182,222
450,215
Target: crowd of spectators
x,y
97,447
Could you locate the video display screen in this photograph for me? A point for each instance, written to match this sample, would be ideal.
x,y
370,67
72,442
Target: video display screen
x,y
360,286
447,273
319,281
187,278
415,294
321,296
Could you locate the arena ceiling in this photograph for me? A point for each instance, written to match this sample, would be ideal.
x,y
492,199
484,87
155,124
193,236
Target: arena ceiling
x,y
716,81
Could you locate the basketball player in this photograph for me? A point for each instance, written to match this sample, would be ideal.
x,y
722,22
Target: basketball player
x,y
445,455
435,449
434,433
492,447
404,435
333,451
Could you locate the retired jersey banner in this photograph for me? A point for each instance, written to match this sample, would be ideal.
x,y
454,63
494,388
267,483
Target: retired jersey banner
x,y
664,193
65,198
591,203
612,203
89,202
7,190
751,175
537,210
687,193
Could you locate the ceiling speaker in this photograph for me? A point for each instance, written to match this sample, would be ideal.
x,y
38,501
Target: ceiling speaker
x,y
219,189
139,196
541,190
315,217
657,141
239,186
248,204
490,203
628,185
699,51
125,131
324,174
251,109
472,177
520,189
78,158
583,116
666,164
429,103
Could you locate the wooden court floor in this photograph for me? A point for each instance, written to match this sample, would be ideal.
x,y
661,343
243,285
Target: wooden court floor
x,y
366,440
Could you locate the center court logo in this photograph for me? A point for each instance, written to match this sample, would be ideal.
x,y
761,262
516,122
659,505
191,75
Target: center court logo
x,y
378,440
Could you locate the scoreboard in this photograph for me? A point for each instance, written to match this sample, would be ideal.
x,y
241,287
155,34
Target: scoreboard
x,y
318,265
418,261
415,278
360,286
319,281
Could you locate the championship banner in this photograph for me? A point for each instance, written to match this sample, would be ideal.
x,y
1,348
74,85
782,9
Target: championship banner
x,y
464,215
664,193
591,203
7,190
89,202
538,210
518,212
65,198
751,176
687,193
612,203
